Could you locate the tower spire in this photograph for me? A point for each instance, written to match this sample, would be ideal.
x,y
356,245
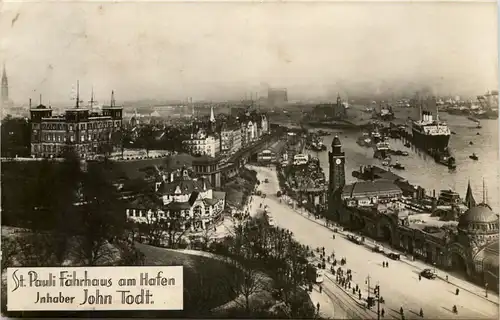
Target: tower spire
x,y
469,197
112,98
92,98
77,94
212,116
4,99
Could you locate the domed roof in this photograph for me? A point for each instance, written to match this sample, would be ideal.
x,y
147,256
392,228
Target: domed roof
x,y
481,213
336,142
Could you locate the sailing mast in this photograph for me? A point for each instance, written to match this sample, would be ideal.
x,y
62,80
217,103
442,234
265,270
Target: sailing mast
x,y
484,193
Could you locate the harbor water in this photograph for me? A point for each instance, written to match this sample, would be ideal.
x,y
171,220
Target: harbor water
x,y
420,169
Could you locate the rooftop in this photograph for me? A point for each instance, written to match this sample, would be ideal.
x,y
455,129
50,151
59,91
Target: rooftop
x,y
377,186
481,213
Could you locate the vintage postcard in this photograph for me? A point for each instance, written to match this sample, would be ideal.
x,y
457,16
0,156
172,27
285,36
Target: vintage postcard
x,y
243,159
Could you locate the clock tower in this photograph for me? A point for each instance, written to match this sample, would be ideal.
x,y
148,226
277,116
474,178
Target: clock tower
x,y
337,167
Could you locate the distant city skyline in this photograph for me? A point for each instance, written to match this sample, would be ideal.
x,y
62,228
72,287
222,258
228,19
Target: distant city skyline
x,y
226,51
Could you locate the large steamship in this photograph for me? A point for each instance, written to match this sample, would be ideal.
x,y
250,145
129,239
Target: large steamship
x,y
431,134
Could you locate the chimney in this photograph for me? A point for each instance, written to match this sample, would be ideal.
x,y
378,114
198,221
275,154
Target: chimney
x,y
30,103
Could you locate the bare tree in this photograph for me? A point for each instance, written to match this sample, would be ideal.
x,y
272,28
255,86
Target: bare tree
x,y
177,226
245,283
207,236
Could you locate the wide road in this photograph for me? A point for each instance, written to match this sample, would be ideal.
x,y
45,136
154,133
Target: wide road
x,y
399,282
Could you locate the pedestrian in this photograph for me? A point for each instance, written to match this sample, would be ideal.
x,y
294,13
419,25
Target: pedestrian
x,y
320,289
457,292
421,313
359,295
419,277
353,291
387,264
446,278
349,285
383,312
401,310
357,287
317,306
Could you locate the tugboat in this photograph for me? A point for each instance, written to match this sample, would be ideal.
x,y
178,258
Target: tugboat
x,y
398,166
381,150
474,157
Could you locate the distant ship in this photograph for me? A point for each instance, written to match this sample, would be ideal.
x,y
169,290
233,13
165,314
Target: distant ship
x,y
431,134
489,106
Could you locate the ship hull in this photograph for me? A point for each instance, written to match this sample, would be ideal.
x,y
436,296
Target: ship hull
x,y
430,142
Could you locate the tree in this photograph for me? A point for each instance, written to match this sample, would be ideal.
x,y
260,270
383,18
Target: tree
x,y
9,250
146,138
119,139
246,283
99,219
207,236
16,137
177,225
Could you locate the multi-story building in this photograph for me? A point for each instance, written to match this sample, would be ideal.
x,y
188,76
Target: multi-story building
x,y
231,138
252,127
202,143
85,132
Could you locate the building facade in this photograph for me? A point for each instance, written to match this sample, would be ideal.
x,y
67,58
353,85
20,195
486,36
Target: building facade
x,y
187,201
86,133
203,143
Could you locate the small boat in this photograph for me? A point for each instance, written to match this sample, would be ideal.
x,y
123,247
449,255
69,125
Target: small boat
x,y
471,143
478,134
398,166
478,127
453,132
474,157
404,153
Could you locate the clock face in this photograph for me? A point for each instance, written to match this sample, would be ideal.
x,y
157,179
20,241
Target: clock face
x,y
338,161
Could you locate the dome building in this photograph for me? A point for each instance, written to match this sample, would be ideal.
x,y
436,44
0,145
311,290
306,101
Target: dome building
x,y
476,248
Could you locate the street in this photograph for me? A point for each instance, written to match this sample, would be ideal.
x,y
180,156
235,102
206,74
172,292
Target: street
x,y
399,283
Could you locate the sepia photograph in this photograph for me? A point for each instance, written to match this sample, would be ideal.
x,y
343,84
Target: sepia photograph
x,y
242,159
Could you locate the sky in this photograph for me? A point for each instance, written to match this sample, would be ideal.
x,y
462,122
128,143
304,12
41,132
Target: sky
x,y
220,51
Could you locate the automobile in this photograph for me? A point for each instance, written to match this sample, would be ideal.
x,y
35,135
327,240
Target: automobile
x,y
377,249
394,256
354,239
428,273
271,221
266,181
319,276
263,195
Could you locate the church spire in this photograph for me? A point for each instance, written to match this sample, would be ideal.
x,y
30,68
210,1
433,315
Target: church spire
x,y
212,117
469,197
5,86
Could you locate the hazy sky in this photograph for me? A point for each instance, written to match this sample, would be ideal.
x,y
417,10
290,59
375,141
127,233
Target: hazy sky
x,y
222,50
